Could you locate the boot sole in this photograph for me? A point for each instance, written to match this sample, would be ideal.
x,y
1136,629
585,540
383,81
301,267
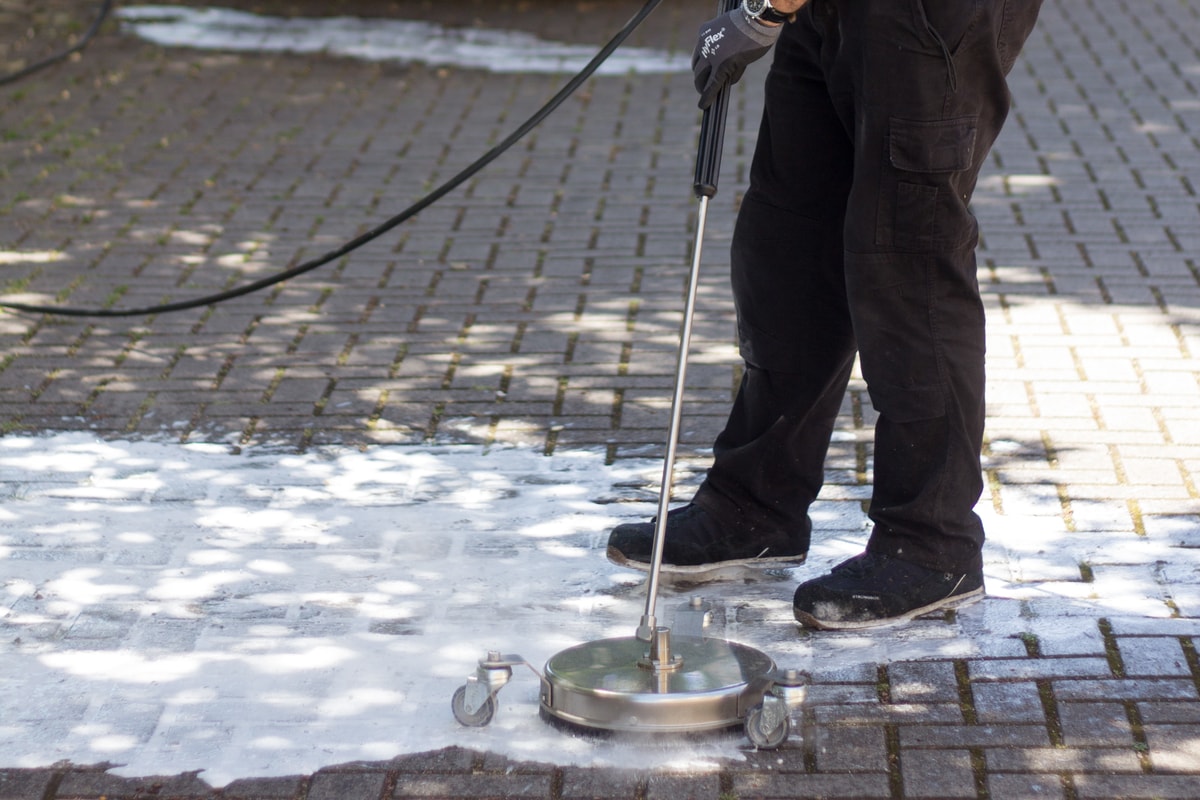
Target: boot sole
x,y
713,571
947,604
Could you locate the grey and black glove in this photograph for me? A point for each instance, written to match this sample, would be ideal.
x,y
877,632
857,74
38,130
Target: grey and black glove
x,y
726,46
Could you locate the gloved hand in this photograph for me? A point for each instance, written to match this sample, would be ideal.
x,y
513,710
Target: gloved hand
x,y
726,46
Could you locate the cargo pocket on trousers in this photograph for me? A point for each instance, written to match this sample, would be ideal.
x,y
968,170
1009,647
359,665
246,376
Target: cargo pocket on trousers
x,y
921,157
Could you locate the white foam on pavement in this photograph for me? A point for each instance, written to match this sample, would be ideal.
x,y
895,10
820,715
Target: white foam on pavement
x,y
382,40
169,607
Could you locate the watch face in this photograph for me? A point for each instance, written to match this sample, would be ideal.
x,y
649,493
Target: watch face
x,y
755,7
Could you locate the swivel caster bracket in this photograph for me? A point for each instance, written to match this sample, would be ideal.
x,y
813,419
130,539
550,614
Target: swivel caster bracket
x,y
474,703
768,723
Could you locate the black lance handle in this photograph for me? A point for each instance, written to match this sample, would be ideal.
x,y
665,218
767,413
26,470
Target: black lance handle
x,y
712,132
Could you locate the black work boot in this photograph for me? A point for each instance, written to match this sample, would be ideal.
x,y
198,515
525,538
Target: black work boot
x,y
696,542
872,590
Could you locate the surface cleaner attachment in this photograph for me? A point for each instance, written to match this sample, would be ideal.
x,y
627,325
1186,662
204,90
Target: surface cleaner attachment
x,y
659,680
679,681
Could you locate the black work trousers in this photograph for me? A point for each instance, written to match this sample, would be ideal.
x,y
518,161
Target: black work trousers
x,y
855,236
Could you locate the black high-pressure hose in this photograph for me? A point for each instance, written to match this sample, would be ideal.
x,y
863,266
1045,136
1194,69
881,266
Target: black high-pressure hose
x,y
428,200
105,7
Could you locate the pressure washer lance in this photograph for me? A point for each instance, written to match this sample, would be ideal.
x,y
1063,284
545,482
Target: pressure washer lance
x,y
708,167
621,684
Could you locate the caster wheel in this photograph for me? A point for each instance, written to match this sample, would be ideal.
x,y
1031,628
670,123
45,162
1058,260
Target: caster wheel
x,y
762,738
458,704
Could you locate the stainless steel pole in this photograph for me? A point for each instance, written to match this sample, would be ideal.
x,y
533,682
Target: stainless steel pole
x,y
708,167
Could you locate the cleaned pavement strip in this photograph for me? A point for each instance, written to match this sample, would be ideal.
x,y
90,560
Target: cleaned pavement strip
x,y
528,322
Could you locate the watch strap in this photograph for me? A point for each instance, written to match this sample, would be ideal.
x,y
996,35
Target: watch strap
x,y
771,15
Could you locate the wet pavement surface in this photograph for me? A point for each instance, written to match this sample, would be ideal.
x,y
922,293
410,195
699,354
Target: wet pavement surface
x,y
537,307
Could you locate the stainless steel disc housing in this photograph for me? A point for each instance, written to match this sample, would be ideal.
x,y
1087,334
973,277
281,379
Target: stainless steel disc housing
x,y
614,684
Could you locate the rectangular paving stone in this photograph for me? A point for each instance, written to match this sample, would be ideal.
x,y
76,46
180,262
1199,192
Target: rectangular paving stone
x,y
938,773
342,785
92,784
900,713
1032,669
1133,689
1143,626
473,785
1095,724
1167,712
849,748
1024,787
1062,759
600,784
1007,702
451,759
283,788
1174,748
1135,787
683,787
786,787
922,682
948,736
1152,656
24,784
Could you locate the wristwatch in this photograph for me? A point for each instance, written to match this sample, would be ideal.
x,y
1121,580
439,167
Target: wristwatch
x,y
762,9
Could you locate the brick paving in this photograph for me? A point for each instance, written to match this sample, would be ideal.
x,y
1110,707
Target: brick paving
x,y
537,306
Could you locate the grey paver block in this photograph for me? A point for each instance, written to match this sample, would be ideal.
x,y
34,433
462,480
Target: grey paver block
x,y
474,785
922,682
1135,787
850,748
1168,712
600,784
786,787
1033,669
938,773
1062,759
683,787
945,736
1141,689
1025,787
88,784
451,759
22,784
789,758
1007,702
282,788
1173,748
900,713
340,785
1098,724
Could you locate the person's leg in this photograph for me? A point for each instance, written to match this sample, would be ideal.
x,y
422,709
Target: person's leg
x,y
926,80
794,333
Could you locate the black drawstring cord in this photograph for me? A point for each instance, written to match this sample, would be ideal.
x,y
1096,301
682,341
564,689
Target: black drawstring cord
x,y
947,55
428,200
